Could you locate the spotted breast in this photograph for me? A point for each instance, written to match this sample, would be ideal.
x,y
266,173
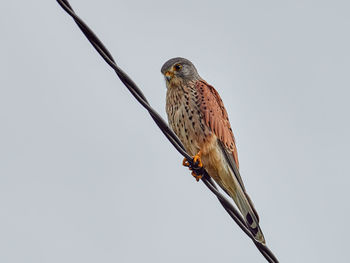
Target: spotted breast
x,y
185,117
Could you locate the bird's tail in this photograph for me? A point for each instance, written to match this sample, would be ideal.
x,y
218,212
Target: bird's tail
x,y
230,180
245,205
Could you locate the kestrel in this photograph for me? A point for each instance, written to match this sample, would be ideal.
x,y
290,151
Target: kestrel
x,y
197,115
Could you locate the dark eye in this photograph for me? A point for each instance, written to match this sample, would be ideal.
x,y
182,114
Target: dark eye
x,y
177,67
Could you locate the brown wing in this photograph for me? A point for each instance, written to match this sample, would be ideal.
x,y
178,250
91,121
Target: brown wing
x,y
216,117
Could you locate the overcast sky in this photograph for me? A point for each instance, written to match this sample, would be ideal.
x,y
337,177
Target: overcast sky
x,y
86,176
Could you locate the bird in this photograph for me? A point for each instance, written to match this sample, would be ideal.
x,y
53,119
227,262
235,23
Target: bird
x,y
197,115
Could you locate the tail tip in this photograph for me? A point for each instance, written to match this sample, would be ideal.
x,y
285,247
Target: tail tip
x,y
256,231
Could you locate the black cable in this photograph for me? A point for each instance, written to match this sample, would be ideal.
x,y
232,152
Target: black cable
x,y
175,141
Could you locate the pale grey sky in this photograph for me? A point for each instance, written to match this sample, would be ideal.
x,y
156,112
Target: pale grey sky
x,y
86,176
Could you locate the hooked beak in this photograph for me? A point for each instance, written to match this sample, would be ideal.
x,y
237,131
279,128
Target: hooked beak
x,y
169,75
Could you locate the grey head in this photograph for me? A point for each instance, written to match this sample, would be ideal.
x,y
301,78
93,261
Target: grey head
x,y
179,68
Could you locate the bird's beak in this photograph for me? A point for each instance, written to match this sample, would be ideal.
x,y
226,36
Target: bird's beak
x,y
169,75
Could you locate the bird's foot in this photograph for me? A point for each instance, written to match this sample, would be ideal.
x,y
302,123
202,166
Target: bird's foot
x,y
198,177
197,159
196,167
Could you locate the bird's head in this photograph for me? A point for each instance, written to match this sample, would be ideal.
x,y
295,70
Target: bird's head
x,y
177,70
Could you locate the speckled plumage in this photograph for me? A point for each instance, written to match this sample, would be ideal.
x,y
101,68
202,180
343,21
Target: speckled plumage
x,y
185,118
197,115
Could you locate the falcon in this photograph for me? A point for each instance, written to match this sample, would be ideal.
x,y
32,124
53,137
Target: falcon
x,y
197,115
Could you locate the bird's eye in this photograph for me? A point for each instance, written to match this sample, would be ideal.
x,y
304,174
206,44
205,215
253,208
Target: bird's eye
x,y
177,67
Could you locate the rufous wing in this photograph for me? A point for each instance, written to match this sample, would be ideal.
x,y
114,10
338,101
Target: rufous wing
x,y
216,117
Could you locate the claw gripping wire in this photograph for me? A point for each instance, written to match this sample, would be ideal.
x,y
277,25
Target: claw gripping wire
x,y
194,166
197,170
137,93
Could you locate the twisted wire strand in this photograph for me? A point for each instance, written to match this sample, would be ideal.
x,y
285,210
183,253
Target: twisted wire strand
x,y
174,140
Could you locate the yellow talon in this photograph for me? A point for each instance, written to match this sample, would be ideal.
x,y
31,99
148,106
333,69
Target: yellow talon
x,y
198,177
197,159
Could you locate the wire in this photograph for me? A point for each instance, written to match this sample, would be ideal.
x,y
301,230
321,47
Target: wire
x,y
175,141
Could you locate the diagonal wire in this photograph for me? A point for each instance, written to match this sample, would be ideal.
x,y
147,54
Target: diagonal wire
x,y
140,97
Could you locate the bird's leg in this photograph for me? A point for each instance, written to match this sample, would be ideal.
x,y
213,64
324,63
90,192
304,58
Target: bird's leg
x,y
197,159
196,167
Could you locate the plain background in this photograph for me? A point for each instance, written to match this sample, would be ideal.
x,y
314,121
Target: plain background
x,y
86,176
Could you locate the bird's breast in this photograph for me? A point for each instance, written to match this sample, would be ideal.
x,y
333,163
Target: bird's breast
x,y
186,119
